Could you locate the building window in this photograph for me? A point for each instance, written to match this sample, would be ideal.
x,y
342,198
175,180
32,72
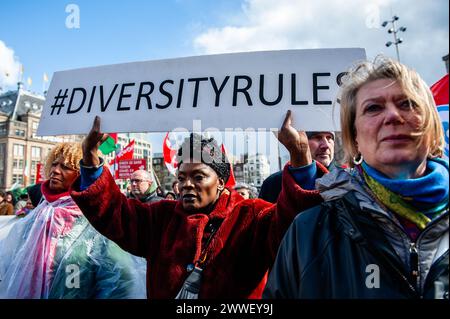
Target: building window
x,y
35,152
20,133
34,165
17,178
2,156
2,163
34,127
3,129
18,150
17,163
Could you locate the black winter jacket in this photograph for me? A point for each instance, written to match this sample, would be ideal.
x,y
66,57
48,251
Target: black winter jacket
x,y
346,255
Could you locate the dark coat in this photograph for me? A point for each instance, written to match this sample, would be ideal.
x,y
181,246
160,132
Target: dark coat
x,y
150,198
238,257
271,187
343,253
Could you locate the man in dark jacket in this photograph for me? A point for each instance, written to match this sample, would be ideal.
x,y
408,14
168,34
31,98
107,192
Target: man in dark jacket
x,y
143,187
321,145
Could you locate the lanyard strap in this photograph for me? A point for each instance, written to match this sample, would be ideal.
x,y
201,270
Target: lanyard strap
x,y
201,262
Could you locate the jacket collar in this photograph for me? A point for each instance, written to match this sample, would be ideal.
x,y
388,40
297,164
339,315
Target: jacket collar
x,y
146,198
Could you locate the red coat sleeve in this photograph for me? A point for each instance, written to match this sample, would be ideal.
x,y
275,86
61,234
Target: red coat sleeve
x,y
128,222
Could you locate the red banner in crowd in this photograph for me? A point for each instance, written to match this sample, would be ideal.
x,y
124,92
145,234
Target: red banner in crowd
x,y
125,154
40,173
127,167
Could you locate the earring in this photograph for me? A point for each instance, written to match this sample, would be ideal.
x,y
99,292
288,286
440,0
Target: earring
x,y
358,161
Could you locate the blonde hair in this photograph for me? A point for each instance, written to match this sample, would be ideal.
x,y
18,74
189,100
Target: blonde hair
x,y
416,90
70,152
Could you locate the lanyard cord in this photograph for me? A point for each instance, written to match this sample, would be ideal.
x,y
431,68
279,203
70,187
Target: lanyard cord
x,y
204,253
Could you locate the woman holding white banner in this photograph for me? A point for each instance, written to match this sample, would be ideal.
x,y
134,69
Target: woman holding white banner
x,y
211,243
53,252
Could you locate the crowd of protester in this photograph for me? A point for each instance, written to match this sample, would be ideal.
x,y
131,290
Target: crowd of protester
x,y
313,230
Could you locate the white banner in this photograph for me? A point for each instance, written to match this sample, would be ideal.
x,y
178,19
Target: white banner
x,y
240,90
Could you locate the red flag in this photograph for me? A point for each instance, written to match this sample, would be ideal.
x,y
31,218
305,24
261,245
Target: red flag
x,y
125,154
169,154
40,173
440,91
114,137
440,94
231,181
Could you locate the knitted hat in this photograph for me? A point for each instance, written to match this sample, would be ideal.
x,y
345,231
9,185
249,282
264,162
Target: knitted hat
x,y
197,150
312,133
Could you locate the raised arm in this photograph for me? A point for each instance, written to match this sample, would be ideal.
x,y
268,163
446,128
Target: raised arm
x,y
296,142
91,143
293,199
129,223
294,196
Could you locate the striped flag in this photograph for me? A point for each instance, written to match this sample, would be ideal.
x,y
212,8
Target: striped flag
x,y
109,145
440,94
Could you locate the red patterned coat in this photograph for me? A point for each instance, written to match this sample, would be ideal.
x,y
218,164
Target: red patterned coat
x,y
239,255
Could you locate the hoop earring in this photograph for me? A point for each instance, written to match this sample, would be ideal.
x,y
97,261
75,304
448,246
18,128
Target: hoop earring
x,y
358,161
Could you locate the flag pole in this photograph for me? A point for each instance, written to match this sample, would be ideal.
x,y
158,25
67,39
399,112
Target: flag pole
x,y
158,183
116,166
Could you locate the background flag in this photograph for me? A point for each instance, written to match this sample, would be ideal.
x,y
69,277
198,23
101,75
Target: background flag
x,y
125,154
231,181
440,94
110,144
169,153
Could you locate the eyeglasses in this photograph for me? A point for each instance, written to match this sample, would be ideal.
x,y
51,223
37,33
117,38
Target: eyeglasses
x,y
137,181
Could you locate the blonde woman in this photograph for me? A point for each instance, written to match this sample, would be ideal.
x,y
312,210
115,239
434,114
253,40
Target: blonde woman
x,y
54,252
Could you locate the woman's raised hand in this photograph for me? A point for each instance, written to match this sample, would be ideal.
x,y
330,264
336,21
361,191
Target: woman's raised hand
x,y
296,142
91,143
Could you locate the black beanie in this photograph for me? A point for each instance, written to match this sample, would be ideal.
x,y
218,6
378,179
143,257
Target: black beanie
x,y
312,133
197,150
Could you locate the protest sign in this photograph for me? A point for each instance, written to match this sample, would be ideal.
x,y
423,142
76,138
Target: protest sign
x,y
127,167
40,173
237,90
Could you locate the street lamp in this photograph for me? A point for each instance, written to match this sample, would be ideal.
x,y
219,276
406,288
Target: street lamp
x,y
394,31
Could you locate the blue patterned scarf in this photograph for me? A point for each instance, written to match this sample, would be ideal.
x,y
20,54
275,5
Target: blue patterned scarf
x,y
428,193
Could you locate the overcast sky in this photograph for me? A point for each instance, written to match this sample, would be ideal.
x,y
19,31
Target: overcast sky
x,y
288,24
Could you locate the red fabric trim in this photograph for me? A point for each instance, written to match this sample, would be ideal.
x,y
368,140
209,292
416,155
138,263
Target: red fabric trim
x,y
49,194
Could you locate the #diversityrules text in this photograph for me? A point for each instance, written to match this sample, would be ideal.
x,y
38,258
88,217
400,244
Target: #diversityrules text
x,y
188,92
